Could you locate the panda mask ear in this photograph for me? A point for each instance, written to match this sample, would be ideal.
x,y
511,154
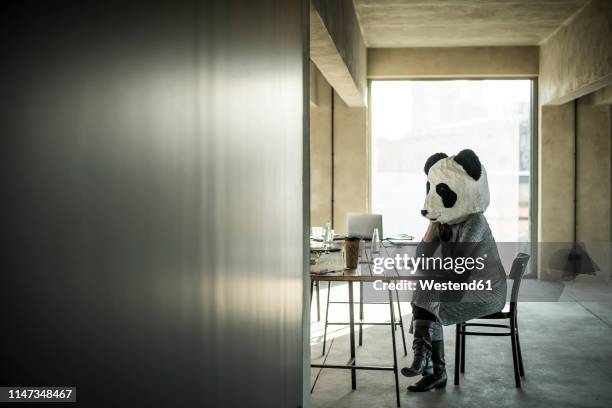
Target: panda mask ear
x,y
433,159
470,163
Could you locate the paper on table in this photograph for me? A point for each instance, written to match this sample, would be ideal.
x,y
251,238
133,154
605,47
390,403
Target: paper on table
x,y
401,237
324,269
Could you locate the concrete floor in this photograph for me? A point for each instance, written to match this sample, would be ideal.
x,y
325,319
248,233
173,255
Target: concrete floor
x,y
567,350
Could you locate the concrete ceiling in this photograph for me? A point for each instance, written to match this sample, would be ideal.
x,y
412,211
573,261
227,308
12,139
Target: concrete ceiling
x,y
451,23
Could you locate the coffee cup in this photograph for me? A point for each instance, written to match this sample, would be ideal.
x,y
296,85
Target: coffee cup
x,y
351,252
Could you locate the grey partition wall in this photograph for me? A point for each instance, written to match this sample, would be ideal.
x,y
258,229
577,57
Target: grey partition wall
x,y
153,201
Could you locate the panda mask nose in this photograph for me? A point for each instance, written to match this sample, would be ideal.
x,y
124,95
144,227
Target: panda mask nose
x,y
424,213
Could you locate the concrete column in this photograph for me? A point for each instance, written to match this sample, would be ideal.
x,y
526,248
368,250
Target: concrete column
x,y
556,182
593,187
320,150
351,164
345,167
590,173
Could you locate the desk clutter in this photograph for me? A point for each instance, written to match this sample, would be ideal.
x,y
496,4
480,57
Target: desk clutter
x,y
367,227
326,262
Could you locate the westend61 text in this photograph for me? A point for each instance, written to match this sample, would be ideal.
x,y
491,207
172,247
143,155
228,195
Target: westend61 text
x,y
431,284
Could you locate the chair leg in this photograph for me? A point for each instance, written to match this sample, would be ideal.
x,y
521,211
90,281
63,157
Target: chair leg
x,y
394,326
518,349
401,321
318,302
463,351
457,352
326,317
361,313
515,363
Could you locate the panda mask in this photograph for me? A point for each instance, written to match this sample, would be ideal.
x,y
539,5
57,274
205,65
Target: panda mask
x,y
456,187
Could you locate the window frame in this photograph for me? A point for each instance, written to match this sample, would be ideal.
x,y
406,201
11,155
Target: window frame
x,y
534,162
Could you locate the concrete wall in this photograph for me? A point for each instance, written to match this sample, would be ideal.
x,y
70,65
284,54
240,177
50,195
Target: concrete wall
x,y
593,172
556,173
577,59
320,149
556,181
340,19
325,55
557,147
338,50
602,96
351,164
594,182
349,159
387,63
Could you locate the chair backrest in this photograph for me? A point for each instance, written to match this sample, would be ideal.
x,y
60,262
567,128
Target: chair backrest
x,y
519,266
362,225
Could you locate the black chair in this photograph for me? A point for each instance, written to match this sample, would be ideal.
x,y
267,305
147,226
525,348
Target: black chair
x,y
509,312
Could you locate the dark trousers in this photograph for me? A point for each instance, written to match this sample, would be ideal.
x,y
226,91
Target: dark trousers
x,y
418,313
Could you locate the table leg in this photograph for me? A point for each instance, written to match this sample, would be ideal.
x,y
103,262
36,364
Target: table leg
x,y
311,288
397,395
352,335
360,313
318,302
401,321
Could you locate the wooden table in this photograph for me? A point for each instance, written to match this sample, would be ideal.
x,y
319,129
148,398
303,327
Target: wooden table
x,y
364,273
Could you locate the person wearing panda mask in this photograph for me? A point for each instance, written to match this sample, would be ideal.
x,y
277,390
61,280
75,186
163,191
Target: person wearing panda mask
x,y
457,196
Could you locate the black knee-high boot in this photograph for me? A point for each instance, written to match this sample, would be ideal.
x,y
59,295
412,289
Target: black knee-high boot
x,y
421,345
439,377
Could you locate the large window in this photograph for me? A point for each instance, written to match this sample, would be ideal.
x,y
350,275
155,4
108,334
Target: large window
x,y
413,119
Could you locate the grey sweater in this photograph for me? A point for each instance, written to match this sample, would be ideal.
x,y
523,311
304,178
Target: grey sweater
x,y
476,240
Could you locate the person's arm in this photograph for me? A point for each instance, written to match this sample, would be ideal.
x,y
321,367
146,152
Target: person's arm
x,y
430,241
431,232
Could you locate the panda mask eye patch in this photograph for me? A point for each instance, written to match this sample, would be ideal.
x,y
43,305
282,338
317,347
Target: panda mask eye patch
x,y
449,197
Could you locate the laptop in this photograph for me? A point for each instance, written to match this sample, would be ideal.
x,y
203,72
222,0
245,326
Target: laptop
x,y
362,225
